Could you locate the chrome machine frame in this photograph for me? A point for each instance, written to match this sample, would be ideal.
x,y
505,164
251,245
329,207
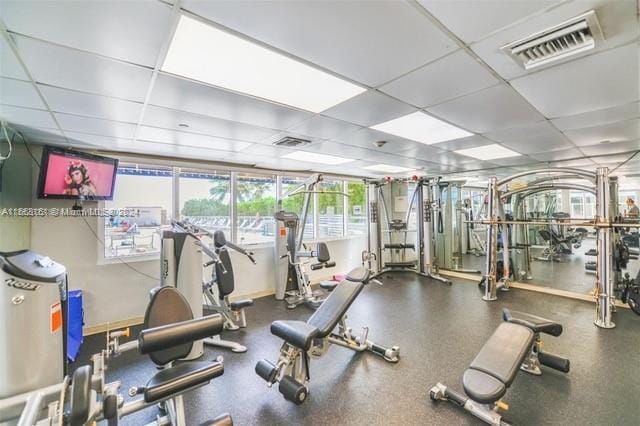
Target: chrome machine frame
x,y
604,239
422,199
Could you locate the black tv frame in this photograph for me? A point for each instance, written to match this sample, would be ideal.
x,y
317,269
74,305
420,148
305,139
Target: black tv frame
x,y
44,164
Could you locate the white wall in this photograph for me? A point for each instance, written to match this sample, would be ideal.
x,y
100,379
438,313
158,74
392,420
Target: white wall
x,y
114,292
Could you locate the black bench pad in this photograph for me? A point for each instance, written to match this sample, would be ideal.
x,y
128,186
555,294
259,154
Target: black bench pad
x,y
334,307
496,365
481,387
297,333
174,380
535,323
239,304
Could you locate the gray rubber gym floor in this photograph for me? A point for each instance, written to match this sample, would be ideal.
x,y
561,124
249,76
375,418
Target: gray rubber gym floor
x,y
439,330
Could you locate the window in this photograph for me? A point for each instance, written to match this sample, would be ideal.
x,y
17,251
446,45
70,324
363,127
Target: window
x,y
357,208
331,209
146,190
577,204
204,199
255,206
294,204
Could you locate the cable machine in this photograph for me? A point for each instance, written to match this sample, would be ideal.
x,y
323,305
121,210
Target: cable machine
x,y
600,186
395,204
292,280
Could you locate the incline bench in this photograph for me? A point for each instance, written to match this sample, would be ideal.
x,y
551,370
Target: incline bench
x,y
514,345
302,339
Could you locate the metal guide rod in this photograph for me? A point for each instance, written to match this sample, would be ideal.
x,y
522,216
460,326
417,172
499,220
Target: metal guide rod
x,y
557,170
533,189
565,222
491,246
604,264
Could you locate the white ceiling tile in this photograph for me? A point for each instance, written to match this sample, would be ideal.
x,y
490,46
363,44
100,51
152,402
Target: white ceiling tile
x,y
580,163
9,64
132,31
563,154
79,103
463,17
72,69
347,151
320,127
365,138
27,117
520,160
171,119
368,109
490,109
609,148
19,93
104,142
599,117
43,136
617,20
538,137
446,78
155,134
268,150
587,84
180,94
370,42
611,159
76,123
621,131
463,143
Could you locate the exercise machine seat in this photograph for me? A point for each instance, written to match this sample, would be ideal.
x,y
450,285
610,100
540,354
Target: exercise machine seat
x,y
297,333
240,304
482,387
179,378
329,285
498,361
535,323
326,317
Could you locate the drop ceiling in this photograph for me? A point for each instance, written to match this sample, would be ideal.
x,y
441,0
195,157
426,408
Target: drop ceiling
x,y
88,75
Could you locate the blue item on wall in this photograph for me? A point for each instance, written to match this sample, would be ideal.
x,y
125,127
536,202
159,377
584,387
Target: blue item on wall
x,y
75,323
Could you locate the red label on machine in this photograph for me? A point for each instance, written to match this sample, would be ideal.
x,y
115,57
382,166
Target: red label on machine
x,y
56,317
283,232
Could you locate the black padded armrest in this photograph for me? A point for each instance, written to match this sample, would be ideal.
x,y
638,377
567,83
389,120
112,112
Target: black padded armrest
x,y
535,323
168,336
359,274
80,396
297,333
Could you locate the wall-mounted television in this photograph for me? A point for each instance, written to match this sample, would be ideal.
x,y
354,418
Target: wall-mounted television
x,y
74,175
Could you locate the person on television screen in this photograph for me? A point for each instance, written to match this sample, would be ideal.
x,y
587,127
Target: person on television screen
x,y
78,182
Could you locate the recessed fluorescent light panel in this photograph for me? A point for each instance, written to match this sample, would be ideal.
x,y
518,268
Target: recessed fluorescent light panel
x,y
488,152
312,157
387,168
205,53
422,128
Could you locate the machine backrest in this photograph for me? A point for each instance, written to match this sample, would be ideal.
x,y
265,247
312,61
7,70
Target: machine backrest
x,y
323,252
167,306
545,234
225,282
219,239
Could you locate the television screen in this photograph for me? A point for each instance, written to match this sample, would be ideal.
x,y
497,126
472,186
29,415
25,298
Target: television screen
x,y
74,175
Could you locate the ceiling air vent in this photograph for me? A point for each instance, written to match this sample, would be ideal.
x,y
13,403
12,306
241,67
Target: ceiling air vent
x,y
570,38
290,142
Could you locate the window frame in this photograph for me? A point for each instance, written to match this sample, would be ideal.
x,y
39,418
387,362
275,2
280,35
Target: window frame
x,y
177,166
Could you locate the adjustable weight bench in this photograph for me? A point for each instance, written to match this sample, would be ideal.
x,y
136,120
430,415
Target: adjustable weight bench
x,y
515,345
313,338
